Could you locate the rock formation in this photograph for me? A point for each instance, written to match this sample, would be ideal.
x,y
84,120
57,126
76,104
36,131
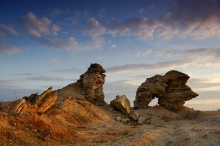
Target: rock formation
x,y
91,83
170,89
88,87
122,104
37,103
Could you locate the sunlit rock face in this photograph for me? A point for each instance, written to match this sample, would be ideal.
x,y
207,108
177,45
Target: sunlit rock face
x,y
89,87
170,89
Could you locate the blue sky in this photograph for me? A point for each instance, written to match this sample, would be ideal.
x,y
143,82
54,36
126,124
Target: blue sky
x,y
51,42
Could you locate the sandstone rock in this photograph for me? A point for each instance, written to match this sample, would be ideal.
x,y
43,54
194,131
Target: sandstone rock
x,y
89,87
43,95
91,84
36,103
170,89
134,115
21,106
47,103
122,104
153,87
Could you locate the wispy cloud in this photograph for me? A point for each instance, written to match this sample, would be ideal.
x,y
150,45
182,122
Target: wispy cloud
x,y
73,45
203,85
68,71
7,29
141,67
7,48
44,78
37,27
9,84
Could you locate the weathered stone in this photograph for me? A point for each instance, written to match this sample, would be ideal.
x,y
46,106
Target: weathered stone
x,y
44,94
122,104
134,115
177,91
36,103
48,102
91,83
153,87
170,89
21,106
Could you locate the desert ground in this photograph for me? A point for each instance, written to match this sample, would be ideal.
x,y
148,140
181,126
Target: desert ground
x,y
80,123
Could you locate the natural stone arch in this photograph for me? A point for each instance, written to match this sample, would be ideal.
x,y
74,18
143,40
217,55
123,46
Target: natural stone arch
x,y
170,89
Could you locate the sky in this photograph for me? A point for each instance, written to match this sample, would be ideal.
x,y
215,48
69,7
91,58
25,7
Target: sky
x,y
47,43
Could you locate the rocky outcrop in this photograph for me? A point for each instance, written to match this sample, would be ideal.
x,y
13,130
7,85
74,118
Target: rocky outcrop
x,y
170,89
37,103
122,104
91,83
89,87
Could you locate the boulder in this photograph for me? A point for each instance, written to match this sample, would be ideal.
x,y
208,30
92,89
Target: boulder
x,y
122,104
170,89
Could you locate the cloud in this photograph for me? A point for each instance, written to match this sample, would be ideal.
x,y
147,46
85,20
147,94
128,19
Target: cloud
x,y
44,78
73,45
204,85
68,71
194,53
5,46
197,19
7,29
8,49
37,27
141,67
138,27
9,84
94,29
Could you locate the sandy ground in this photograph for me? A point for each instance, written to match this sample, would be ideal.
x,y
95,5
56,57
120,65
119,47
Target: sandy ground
x,y
84,124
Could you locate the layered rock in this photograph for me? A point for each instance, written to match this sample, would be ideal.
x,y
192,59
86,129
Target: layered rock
x,y
122,104
37,103
91,83
88,87
170,89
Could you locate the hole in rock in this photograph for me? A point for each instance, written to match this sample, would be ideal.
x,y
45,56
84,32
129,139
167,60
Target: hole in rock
x,y
154,102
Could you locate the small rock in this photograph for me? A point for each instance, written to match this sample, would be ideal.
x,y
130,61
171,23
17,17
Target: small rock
x,y
118,119
126,120
141,120
148,120
134,115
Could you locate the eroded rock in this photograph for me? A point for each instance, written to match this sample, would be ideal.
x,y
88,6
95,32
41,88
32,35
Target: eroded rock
x,y
91,83
170,89
36,103
122,104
